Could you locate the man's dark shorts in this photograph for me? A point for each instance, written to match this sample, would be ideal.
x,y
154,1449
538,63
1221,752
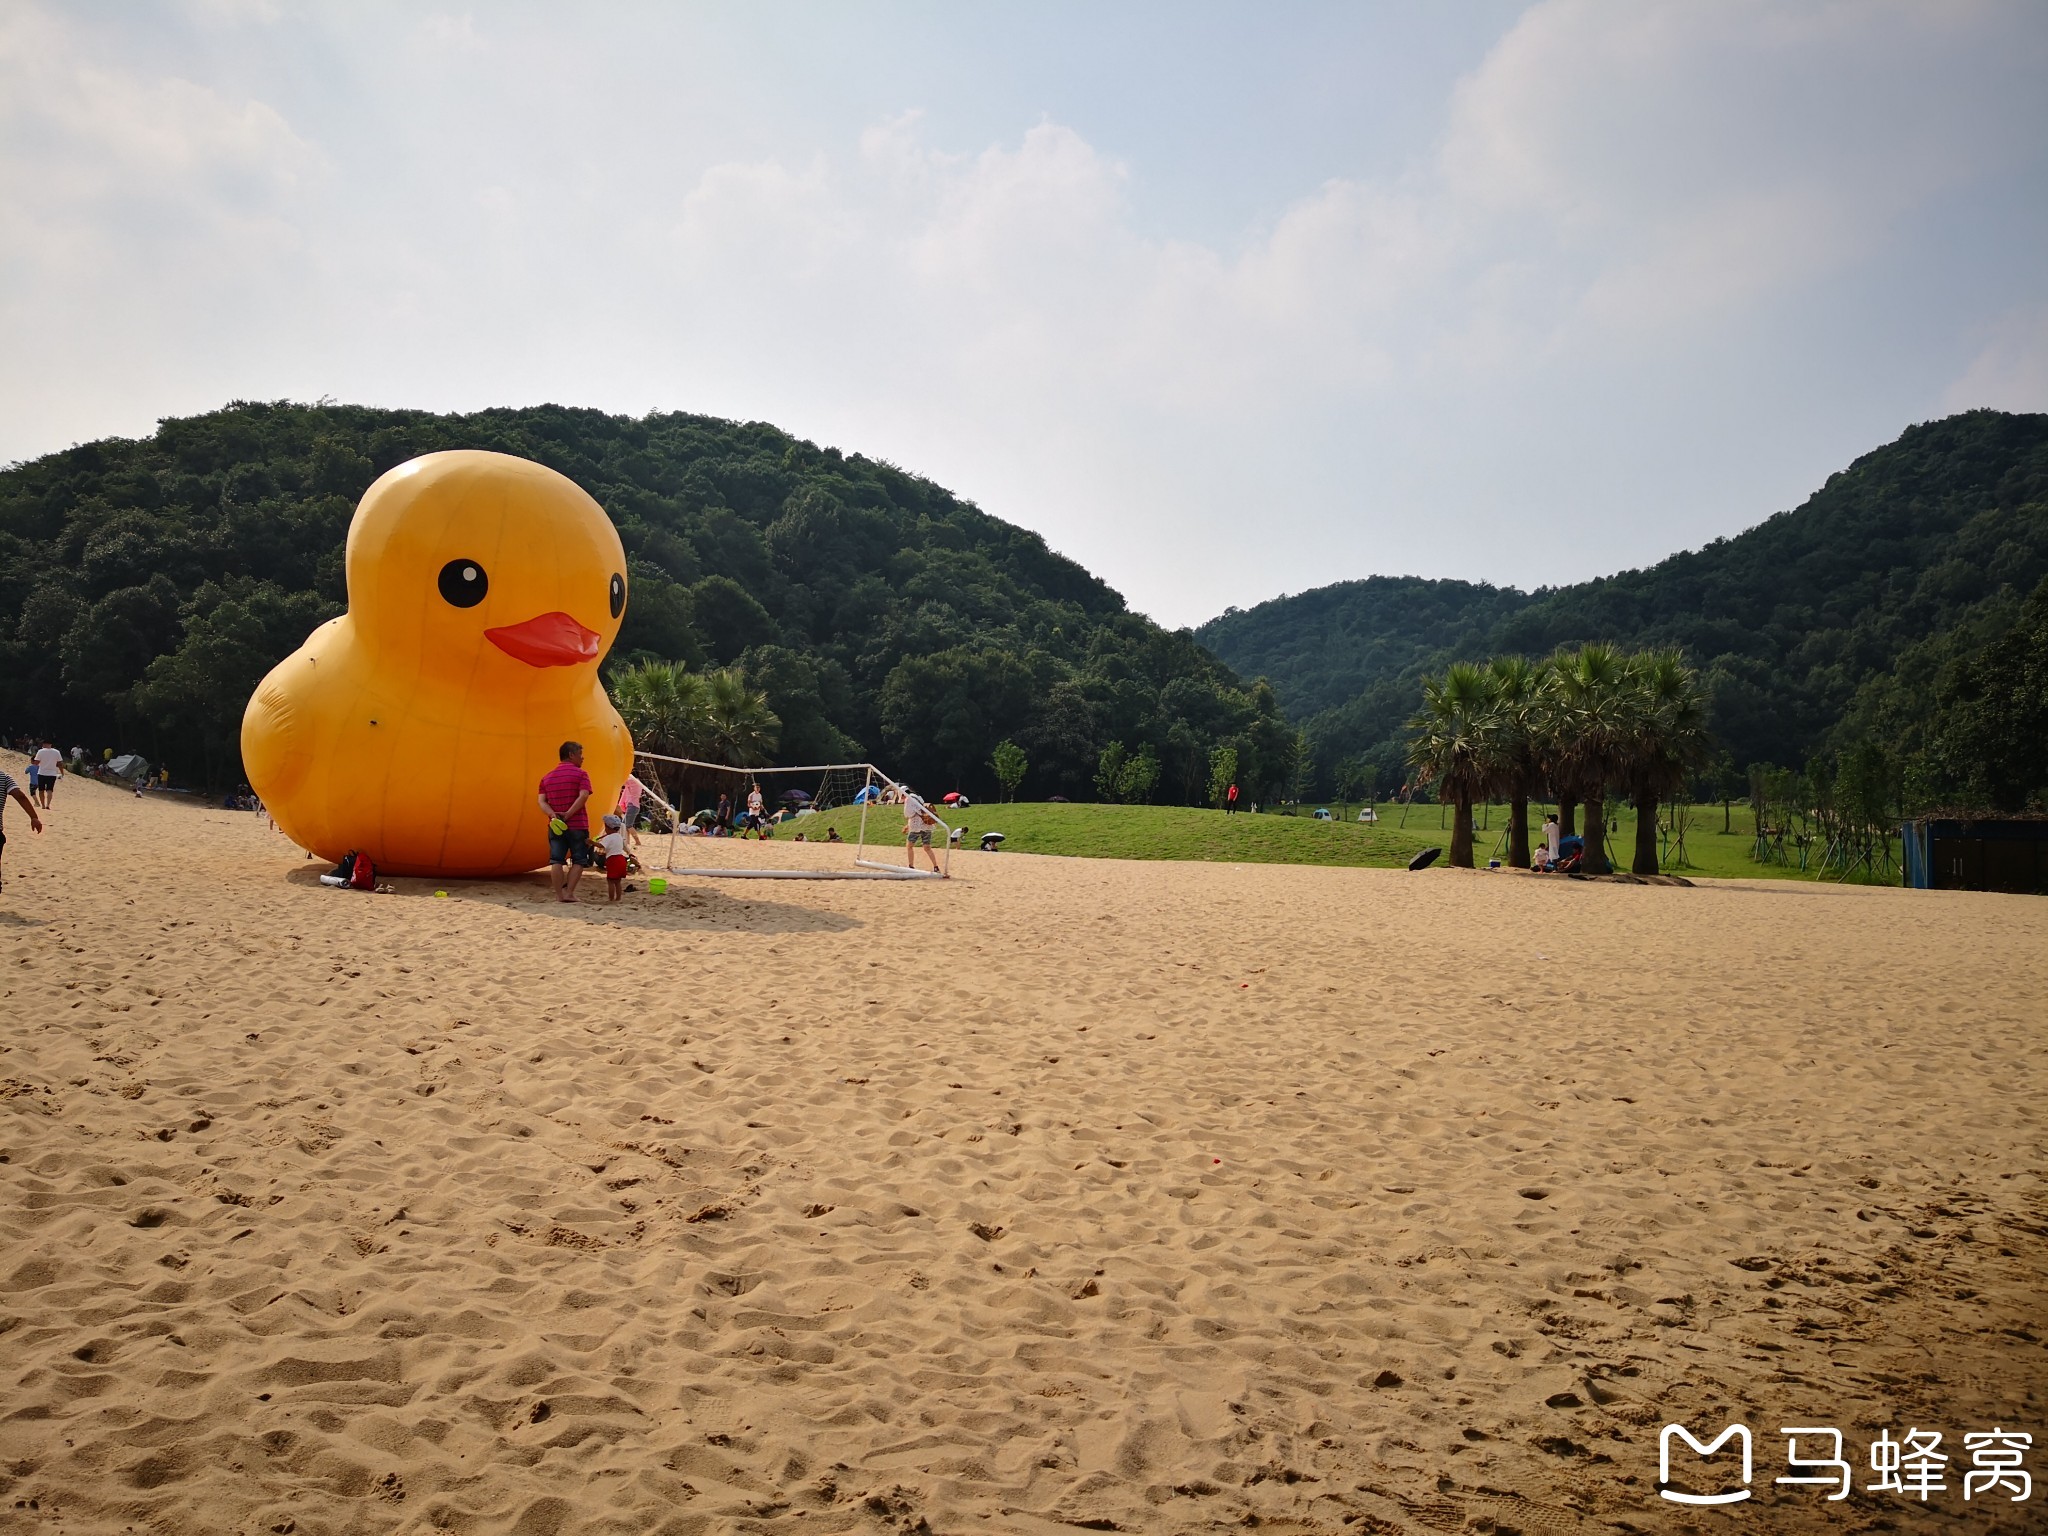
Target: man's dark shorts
x,y
570,847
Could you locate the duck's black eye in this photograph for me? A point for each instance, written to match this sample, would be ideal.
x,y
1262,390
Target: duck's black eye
x,y
618,594
464,583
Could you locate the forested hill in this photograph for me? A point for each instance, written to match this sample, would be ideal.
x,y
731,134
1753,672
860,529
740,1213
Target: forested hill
x,y
145,587
1318,647
1913,556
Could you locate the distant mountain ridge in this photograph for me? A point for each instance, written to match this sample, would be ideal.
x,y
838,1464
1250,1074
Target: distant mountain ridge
x,y
1381,626
1940,533
146,585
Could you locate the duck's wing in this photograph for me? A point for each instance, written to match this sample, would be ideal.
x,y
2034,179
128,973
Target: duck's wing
x,y
275,748
278,734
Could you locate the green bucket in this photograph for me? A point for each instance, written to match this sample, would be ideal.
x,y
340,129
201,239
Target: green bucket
x,y
657,886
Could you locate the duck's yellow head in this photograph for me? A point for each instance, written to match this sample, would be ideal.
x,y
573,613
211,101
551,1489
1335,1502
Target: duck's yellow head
x,y
465,565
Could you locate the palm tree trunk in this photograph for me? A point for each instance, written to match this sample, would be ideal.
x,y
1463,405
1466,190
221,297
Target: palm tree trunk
x,y
1646,836
1461,834
1518,831
1567,816
1596,837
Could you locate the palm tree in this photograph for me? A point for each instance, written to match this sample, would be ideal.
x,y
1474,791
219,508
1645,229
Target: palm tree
x,y
1519,731
1449,746
740,727
1593,720
664,707
1670,739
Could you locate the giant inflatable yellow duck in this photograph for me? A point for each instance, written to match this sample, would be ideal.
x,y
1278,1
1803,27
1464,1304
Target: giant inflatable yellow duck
x,y
483,592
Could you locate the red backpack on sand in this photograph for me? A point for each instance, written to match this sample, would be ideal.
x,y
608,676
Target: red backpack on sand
x,y
363,877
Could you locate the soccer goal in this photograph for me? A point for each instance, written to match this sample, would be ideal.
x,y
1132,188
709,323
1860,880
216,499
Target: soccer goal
x,y
826,804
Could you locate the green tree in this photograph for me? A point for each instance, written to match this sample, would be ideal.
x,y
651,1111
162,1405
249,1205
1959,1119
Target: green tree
x,y
1138,776
1592,722
804,692
1109,774
1667,740
1010,765
666,707
1989,731
1518,724
666,710
741,730
1449,747
659,621
1354,776
1222,773
1301,783
195,694
730,618
942,714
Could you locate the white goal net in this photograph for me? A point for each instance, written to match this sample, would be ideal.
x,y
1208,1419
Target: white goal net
x,y
723,822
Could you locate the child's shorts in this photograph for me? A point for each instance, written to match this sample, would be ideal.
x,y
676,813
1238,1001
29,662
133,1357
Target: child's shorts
x,y
615,866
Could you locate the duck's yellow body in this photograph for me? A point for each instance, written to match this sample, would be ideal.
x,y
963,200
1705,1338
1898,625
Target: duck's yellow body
x,y
484,590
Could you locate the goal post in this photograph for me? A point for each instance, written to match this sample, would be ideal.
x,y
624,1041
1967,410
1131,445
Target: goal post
x,y
809,794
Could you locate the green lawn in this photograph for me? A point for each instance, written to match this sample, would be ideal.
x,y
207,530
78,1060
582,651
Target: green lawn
x,y
1180,832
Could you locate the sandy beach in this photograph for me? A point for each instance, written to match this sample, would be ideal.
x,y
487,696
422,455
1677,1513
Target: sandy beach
x,y
1066,1195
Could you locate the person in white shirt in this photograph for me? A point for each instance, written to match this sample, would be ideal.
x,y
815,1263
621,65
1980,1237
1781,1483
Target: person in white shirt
x,y
918,822
49,762
613,847
757,810
1551,833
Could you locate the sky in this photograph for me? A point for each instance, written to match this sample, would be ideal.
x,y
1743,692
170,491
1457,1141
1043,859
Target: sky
x,y
1226,301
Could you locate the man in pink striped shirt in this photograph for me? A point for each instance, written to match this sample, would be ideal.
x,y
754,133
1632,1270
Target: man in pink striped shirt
x,y
564,796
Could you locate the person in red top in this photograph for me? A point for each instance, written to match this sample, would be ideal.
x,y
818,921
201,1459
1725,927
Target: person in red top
x,y
1230,801
564,794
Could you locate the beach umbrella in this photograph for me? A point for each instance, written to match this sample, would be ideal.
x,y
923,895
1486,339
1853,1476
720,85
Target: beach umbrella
x,y
796,794
129,765
953,798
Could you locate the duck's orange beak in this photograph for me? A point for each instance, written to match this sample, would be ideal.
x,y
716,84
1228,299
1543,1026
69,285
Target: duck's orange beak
x,y
550,640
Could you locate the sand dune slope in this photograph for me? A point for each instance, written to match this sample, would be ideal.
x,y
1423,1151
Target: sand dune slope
x,y
1070,1195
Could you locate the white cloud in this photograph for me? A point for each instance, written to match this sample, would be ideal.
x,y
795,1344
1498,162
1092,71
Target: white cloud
x,y
1627,239
94,159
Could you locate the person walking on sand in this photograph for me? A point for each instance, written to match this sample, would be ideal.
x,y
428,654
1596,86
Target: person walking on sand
x,y
49,762
629,806
9,790
918,822
564,800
